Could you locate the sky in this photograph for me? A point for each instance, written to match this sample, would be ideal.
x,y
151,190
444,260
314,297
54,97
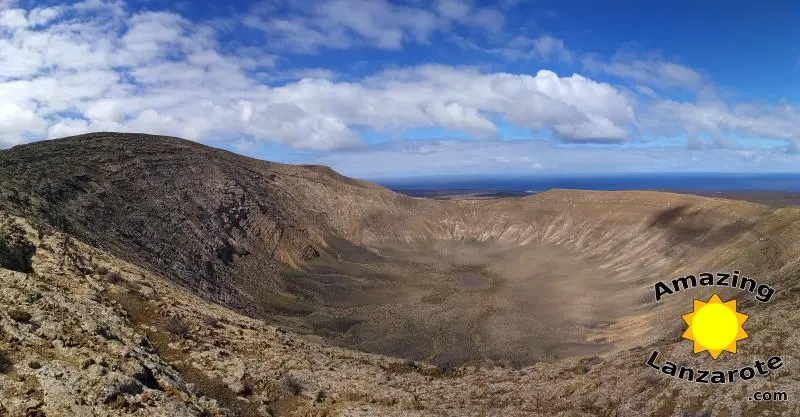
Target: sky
x,y
399,88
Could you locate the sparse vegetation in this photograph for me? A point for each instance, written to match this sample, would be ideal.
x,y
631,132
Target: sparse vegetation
x,y
19,316
113,277
175,326
321,395
211,321
120,402
16,252
105,333
291,385
5,362
173,392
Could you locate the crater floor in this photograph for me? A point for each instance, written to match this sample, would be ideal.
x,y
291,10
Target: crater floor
x,y
454,302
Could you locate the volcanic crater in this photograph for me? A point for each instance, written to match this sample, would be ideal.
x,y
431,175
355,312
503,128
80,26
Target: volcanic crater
x,y
516,280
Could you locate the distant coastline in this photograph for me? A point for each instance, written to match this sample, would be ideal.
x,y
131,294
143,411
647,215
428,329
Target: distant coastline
x,y
772,189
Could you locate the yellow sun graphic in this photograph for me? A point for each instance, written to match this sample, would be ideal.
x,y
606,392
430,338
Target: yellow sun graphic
x,y
715,326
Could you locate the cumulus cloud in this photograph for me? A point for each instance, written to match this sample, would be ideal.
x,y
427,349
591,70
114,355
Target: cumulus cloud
x,y
14,18
709,115
465,99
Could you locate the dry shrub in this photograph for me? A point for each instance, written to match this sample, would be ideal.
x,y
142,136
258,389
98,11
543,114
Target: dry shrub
x,y
113,277
211,321
5,362
176,326
291,384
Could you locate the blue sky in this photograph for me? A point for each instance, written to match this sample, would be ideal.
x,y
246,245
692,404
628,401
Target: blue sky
x,y
380,88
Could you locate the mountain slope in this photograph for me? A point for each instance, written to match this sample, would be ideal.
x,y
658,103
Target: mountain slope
x,y
206,218
350,263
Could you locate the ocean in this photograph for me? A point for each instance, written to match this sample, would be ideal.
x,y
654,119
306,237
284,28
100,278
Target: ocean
x,y
687,182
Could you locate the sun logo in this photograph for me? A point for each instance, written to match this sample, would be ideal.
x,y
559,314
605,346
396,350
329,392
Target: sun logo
x,y
715,326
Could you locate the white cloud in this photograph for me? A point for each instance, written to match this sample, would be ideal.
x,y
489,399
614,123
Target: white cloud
x,y
115,8
152,33
487,18
343,24
650,70
306,26
717,119
521,47
17,121
89,73
75,71
548,46
13,19
465,100
453,9
646,91
68,127
321,73
43,16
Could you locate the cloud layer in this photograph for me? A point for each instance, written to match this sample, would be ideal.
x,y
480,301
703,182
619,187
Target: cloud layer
x,y
97,65
91,66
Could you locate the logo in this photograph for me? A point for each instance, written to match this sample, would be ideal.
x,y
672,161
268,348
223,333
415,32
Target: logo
x,y
715,326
